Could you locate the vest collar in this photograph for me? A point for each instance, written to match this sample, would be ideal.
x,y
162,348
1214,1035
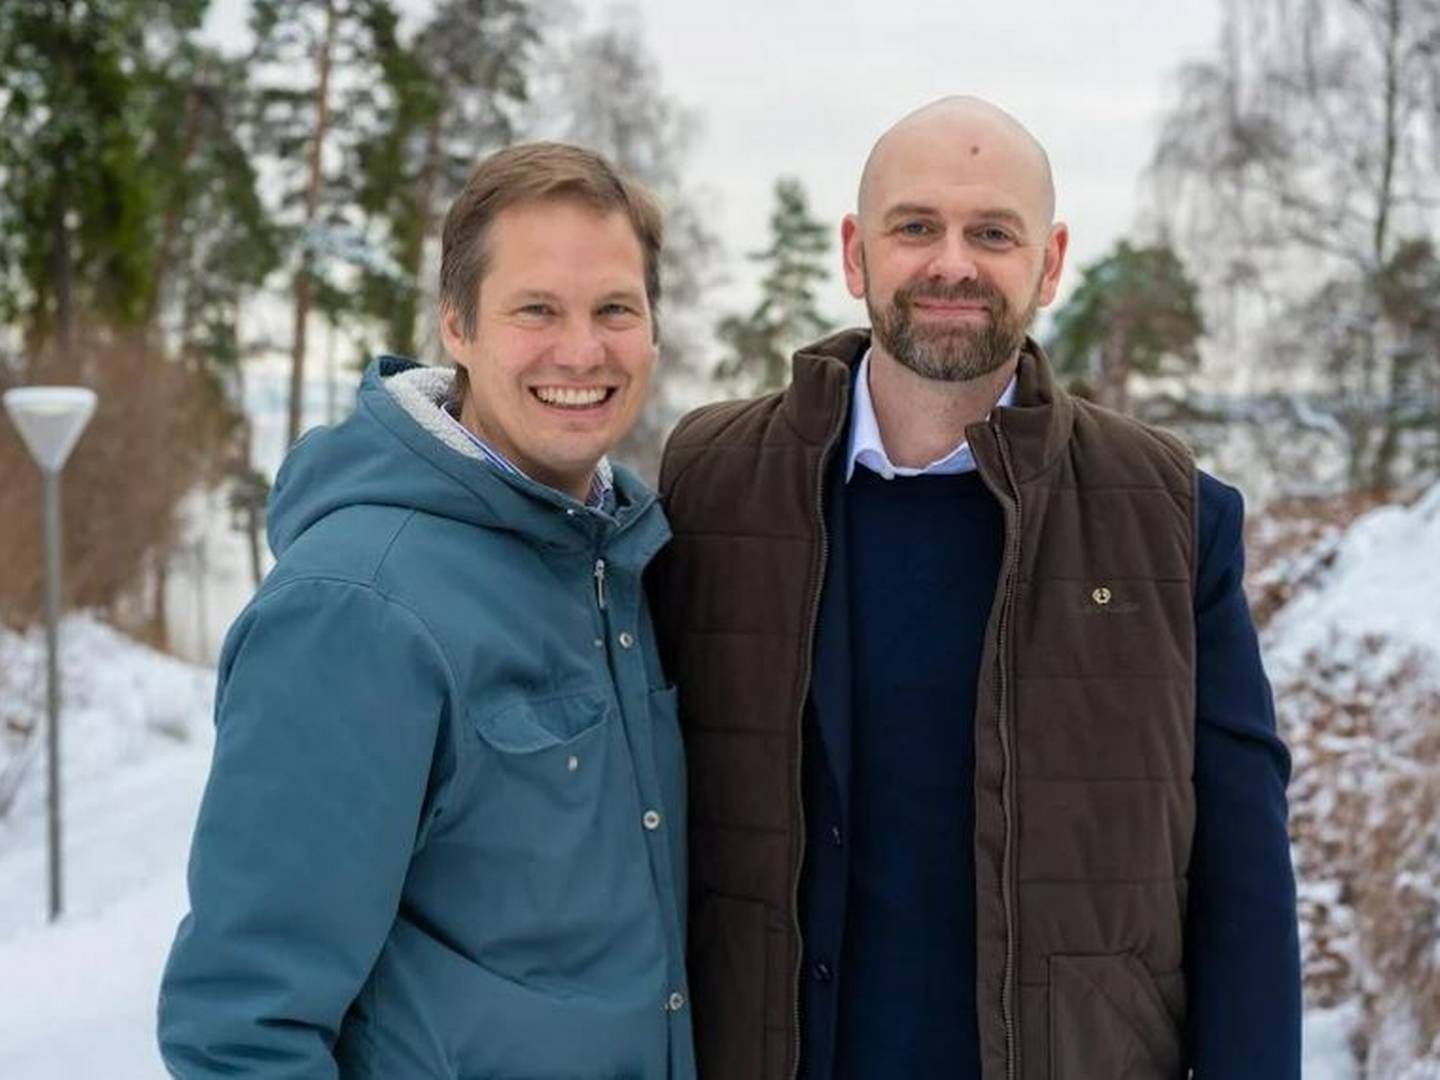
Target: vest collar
x,y
1037,425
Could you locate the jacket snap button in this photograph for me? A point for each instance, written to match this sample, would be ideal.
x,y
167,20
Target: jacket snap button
x,y
823,972
573,763
651,820
835,837
627,639
676,1002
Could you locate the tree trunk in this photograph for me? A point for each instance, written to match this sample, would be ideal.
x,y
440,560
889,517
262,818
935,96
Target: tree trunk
x,y
62,269
1112,391
403,318
1385,197
251,506
252,535
312,205
170,227
159,613
1382,468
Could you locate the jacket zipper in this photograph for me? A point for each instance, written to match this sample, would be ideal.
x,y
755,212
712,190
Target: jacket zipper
x,y
600,583
806,664
1007,782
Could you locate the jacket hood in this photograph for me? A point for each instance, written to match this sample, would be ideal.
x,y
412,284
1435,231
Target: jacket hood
x,y
398,449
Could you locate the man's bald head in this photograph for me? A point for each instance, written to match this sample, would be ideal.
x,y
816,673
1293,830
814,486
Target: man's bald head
x,y
971,127
954,245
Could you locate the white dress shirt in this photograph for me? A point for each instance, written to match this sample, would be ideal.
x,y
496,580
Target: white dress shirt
x,y
867,448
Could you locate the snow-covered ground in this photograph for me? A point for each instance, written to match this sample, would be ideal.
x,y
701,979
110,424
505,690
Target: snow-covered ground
x,y
1381,579
1355,660
77,999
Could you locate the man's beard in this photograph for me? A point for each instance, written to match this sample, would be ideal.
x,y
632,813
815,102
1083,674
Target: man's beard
x,y
950,353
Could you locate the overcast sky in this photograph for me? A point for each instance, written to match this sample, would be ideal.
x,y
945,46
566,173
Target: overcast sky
x,y
803,88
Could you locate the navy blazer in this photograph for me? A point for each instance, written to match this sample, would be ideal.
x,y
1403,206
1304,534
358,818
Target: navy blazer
x,y
1242,955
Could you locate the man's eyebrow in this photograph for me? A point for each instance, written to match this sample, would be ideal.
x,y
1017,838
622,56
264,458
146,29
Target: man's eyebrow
x,y
525,296
630,296
1001,214
910,210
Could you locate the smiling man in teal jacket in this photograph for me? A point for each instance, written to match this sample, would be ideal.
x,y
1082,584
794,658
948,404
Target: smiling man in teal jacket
x,y
443,834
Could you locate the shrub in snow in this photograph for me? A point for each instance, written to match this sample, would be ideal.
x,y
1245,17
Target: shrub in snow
x,y
1354,654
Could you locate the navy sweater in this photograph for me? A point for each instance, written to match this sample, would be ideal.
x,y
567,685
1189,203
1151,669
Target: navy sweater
x,y
919,600
888,888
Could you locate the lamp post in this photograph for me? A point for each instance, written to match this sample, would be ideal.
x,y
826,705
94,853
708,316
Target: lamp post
x,y
50,420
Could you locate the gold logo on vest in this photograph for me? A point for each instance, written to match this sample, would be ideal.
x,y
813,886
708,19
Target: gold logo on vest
x,y
1103,601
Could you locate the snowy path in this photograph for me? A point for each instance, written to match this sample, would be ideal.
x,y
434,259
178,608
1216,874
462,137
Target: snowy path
x,y
77,999
80,996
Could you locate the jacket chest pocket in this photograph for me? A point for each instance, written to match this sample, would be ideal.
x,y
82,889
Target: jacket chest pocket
x,y
543,758
534,842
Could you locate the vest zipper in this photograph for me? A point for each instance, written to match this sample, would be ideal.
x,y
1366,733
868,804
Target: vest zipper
x,y
806,665
1007,781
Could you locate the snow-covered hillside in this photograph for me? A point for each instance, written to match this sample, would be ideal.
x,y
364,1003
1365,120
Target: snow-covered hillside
x,y
1354,656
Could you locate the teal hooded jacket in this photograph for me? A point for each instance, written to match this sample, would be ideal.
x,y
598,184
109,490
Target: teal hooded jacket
x,y
444,829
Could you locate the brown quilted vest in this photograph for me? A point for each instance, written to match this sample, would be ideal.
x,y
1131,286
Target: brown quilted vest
x,y
1084,727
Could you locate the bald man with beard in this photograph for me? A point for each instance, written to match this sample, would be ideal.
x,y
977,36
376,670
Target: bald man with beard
x,y
984,778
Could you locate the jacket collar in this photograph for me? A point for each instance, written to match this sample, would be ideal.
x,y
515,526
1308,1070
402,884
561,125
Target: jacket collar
x,y
396,450
1037,425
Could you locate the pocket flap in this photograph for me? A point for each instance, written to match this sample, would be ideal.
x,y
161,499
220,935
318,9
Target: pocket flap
x,y
1107,1019
524,727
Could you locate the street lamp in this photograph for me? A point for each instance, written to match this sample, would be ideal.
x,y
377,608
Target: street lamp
x,y
50,420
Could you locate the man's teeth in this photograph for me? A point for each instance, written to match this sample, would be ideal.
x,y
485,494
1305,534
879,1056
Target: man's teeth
x,y
571,396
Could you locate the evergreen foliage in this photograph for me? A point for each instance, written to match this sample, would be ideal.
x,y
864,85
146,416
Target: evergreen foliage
x,y
454,89
1135,311
788,314
317,65
131,231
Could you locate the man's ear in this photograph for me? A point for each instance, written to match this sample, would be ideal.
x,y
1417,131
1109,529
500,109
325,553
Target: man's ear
x,y
852,251
452,335
1055,249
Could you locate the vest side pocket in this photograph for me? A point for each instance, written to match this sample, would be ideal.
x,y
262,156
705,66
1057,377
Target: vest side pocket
x,y
1108,1021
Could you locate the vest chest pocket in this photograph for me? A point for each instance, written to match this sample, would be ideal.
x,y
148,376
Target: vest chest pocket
x,y
1108,1021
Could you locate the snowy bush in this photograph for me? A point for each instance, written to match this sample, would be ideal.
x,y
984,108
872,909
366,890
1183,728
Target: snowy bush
x,y
1354,654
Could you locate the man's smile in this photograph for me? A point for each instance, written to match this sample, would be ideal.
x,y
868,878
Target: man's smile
x,y
574,398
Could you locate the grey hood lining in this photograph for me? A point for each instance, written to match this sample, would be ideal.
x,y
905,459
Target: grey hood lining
x,y
422,392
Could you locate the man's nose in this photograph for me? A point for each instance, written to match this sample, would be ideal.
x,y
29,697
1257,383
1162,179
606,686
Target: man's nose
x,y
953,260
582,347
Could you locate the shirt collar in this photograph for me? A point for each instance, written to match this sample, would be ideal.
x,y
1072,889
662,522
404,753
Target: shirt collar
x,y
867,448
602,484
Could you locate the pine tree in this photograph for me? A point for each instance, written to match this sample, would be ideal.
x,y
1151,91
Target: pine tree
x,y
321,95
787,315
131,233
454,88
1135,311
75,203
